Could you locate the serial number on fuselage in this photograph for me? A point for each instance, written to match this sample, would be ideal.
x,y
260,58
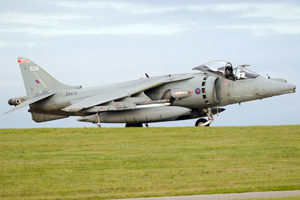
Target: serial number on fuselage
x,y
71,93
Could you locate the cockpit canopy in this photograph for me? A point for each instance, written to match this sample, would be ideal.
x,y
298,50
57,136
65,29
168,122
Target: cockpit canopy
x,y
225,69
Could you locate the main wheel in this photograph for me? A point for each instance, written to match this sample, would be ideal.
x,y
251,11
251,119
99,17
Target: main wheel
x,y
201,122
133,125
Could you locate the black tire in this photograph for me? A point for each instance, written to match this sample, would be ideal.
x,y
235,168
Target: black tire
x,y
201,121
133,125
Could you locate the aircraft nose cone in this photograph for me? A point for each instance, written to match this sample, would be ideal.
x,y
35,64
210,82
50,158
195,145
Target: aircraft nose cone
x,y
290,88
278,87
294,89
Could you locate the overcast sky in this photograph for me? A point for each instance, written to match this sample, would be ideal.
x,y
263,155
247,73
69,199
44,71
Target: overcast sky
x,y
101,42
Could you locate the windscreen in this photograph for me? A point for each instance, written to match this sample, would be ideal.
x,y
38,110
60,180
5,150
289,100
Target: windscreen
x,y
244,73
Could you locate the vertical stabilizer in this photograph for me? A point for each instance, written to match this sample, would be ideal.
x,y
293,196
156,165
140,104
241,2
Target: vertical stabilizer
x,y
38,81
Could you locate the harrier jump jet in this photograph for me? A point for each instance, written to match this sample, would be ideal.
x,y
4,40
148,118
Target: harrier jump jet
x,y
152,99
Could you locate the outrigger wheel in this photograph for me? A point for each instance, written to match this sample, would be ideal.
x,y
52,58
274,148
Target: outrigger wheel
x,y
201,122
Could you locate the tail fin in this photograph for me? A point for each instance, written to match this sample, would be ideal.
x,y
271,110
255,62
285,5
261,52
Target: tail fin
x,y
38,81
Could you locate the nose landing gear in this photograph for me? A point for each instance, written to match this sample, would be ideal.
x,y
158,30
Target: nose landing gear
x,y
204,122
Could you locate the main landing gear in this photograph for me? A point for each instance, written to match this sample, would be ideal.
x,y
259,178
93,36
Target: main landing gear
x,y
136,125
133,125
204,122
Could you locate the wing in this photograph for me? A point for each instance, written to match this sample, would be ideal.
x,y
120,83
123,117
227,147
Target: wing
x,y
30,101
126,89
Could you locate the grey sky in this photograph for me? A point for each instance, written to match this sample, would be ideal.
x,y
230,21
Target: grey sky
x,y
101,42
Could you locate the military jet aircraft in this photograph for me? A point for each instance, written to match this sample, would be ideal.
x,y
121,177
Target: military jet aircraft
x,y
151,99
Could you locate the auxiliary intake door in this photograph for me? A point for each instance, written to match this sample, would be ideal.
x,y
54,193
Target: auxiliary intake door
x,y
209,90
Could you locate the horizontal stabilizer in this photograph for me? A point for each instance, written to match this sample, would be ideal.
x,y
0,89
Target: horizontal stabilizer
x,y
30,101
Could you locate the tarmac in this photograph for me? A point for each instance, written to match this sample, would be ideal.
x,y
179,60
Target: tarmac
x,y
232,196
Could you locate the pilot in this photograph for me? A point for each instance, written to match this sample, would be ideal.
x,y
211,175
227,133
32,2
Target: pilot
x,y
229,73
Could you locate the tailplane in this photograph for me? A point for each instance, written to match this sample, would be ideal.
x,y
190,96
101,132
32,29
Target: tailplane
x,y
38,81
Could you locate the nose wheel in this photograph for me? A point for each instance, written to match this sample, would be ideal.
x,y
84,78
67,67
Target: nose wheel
x,y
201,122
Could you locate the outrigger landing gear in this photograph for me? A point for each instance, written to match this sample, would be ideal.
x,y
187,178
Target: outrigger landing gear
x,y
204,122
98,120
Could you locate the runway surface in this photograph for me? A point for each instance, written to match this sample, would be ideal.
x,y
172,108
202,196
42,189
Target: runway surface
x,y
248,195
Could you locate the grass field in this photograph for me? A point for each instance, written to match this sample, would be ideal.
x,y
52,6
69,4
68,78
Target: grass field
x,y
88,163
281,198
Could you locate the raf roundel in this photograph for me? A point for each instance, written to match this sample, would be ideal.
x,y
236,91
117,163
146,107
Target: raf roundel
x,y
197,91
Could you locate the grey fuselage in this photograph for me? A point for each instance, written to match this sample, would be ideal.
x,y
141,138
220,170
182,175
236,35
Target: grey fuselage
x,y
197,93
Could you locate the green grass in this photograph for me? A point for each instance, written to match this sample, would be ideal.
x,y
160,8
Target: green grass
x,y
279,198
142,162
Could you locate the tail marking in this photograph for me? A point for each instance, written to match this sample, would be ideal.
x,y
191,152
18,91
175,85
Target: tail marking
x,y
23,60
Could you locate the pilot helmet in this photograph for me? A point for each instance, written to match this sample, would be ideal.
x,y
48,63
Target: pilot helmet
x,y
228,69
228,66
